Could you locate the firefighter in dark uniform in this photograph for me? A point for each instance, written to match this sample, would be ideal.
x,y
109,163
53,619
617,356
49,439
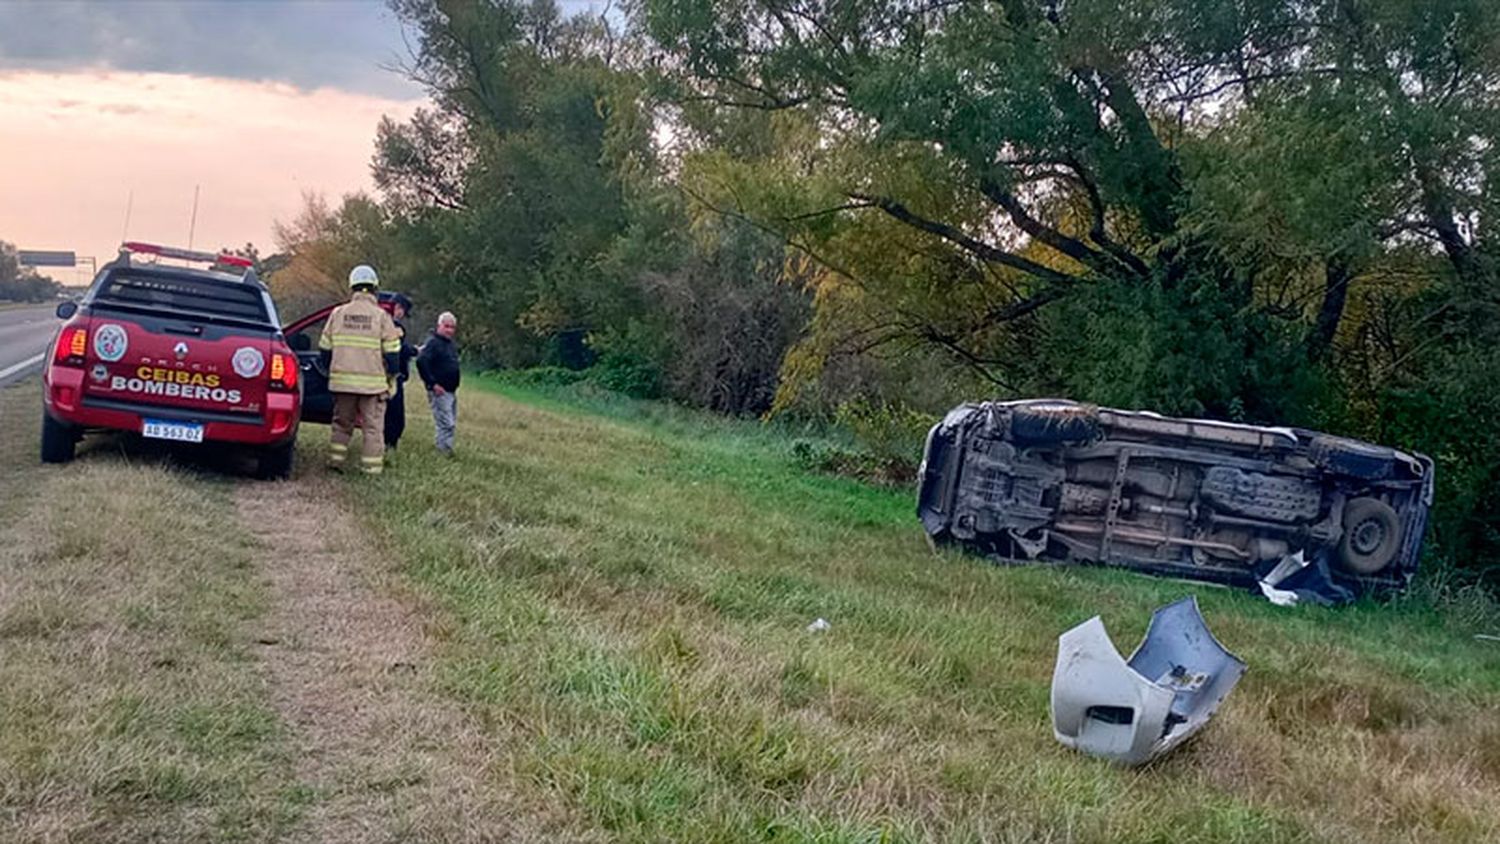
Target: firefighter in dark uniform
x,y
395,409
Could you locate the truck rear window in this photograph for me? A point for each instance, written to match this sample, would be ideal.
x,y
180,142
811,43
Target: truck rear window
x,y
199,296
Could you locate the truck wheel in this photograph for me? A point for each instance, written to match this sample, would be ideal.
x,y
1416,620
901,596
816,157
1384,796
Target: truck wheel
x,y
1053,425
1372,536
1352,458
59,441
275,463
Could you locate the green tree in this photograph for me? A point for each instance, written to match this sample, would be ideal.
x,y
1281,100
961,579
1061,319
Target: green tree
x,y
512,179
1056,149
23,284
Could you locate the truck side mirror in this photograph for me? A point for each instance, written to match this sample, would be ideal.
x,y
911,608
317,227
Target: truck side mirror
x,y
66,309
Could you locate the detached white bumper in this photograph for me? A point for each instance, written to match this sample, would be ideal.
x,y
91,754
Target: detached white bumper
x,y
1132,712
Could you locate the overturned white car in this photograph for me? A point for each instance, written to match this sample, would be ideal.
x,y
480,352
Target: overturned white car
x,y
1059,481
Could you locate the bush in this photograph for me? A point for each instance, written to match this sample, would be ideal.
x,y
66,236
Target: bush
x,y
851,463
1448,413
541,376
888,431
627,374
29,288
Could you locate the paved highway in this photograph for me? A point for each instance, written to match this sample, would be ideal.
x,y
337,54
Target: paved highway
x,y
24,334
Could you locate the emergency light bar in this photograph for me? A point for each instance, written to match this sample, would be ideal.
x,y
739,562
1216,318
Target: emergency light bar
x,y
185,254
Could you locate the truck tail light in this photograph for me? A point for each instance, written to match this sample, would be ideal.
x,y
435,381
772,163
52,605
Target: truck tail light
x,y
72,344
283,372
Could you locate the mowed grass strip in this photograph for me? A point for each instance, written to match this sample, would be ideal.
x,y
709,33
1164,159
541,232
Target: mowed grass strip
x,y
130,706
625,603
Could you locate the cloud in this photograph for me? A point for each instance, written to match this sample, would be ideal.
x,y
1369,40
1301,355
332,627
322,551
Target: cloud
x,y
76,147
310,44
344,44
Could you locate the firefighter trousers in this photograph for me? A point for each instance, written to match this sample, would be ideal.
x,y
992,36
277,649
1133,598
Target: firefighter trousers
x,y
368,412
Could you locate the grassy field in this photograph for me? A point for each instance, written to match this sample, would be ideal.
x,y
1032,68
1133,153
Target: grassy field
x,y
617,597
626,596
131,708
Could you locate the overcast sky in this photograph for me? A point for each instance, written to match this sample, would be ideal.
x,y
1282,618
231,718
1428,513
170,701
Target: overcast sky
x,y
310,44
254,100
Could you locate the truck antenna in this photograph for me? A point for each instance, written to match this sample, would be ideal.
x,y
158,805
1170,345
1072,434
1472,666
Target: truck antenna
x,y
129,203
193,223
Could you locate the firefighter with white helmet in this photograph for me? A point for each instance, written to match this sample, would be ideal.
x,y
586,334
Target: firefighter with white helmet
x,y
361,348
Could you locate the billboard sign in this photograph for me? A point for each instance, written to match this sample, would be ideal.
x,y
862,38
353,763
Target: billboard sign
x,y
40,258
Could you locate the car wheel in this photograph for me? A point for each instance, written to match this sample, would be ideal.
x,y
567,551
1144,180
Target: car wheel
x,y
1053,424
1352,458
1372,536
59,441
275,463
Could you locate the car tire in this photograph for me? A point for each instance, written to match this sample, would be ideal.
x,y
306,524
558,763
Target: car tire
x,y
1053,425
1352,458
1372,536
59,441
275,463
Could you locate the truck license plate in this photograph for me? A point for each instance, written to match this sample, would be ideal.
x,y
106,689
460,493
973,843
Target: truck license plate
x,y
184,432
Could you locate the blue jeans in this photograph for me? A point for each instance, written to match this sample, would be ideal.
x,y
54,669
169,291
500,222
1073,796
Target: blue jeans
x,y
444,418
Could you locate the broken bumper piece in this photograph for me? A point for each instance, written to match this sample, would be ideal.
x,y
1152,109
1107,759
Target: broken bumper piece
x,y
1132,712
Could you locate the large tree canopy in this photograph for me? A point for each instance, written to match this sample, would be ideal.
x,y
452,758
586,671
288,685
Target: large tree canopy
x,y
1106,102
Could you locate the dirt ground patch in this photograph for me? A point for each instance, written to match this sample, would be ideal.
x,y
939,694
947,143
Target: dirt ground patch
x,y
385,758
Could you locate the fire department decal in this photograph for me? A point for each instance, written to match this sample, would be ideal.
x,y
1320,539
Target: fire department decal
x,y
175,383
110,342
248,362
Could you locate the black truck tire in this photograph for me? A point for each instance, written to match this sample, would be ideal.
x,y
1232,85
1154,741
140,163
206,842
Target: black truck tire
x,y
1372,536
275,463
1053,425
59,441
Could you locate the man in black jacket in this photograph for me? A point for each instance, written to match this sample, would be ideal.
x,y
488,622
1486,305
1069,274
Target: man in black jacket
x,y
438,365
395,409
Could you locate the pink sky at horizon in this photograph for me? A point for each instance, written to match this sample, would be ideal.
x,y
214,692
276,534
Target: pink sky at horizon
x,y
75,146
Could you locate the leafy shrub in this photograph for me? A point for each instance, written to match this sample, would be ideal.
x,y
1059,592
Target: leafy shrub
x,y
888,431
542,376
630,375
851,463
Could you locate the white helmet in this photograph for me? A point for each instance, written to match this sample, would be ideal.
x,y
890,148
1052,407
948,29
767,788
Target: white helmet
x,y
362,276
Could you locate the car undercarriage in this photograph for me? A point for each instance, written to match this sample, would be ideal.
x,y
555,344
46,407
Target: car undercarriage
x,y
1053,480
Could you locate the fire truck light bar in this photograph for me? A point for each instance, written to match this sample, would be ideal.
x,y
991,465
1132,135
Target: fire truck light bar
x,y
185,254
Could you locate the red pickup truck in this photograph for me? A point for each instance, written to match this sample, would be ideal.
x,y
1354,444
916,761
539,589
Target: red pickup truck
x,y
174,353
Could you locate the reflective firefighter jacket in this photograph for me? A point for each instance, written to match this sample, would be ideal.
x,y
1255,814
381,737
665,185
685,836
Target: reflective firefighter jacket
x,y
364,344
